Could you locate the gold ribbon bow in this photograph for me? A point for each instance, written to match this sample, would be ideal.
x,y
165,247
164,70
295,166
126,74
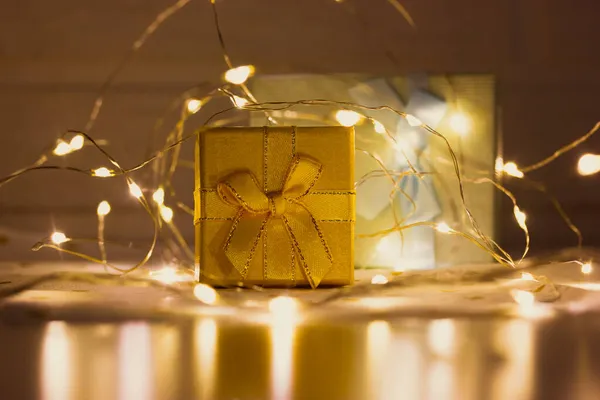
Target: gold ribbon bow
x,y
257,208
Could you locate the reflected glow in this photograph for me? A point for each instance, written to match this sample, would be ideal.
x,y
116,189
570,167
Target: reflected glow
x,y
379,280
205,293
193,105
206,351
588,164
239,75
460,123
412,120
378,344
378,126
440,380
405,374
169,275
526,276
514,343
159,196
528,307
57,371
284,313
499,165
136,373
441,337
59,238
76,142
348,117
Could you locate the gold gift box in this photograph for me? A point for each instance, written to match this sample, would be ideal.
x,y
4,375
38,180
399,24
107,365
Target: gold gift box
x,y
274,206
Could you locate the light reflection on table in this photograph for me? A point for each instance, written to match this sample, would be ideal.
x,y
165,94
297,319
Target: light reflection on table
x,y
215,358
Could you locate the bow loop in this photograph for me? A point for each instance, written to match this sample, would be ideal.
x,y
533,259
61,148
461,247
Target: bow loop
x,y
257,208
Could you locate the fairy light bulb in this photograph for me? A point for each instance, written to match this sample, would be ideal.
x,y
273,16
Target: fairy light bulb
x,y
378,126
102,172
348,117
589,164
239,75
443,227
586,268
76,142
103,208
205,293
520,217
526,276
239,102
159,196
193,105
379,280
460,123
169,275
59,238
62,148
135,190
510,168
412,120
166,213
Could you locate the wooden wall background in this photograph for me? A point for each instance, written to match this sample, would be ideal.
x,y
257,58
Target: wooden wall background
x,y
55,55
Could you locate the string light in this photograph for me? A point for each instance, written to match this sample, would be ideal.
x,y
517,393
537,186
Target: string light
x,y
193,105
589,164
135,190
443,227
239,102
412,120
510,168
159,196
205,293
62,148
76,142
239,75
586,268
520,217
102,172
379,280
59,238
460,123
103,208
348,117
378,126
166,213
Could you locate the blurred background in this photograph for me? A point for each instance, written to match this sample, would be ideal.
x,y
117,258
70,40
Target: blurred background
x,y
54,57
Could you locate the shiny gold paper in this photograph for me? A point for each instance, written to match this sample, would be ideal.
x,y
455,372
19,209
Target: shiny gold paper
x,y
275,206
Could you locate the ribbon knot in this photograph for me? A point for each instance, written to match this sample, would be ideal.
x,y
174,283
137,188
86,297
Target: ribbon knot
x,y
256,209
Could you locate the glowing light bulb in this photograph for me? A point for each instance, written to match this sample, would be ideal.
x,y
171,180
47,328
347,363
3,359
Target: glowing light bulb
x,y
586,268
239,75
62,148
348,117
135,190
378,126
443,227
510,168
523,298
520,217
166,213
102,172
103,208
412,120
526,276
238,101
76,142
193,105
59,238
169,275
205,293
588,164
283,305
379,280
460,123
159,196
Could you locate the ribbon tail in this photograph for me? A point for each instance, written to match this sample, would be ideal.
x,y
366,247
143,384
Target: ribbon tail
x,y
243,240
313,253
